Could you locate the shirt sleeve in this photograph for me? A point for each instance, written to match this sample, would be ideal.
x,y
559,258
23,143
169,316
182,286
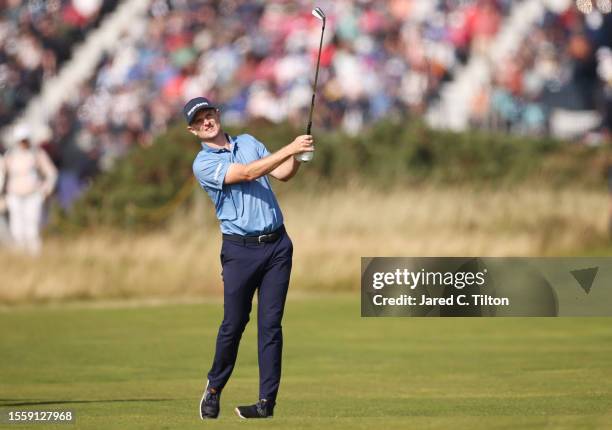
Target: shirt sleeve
x,y
262,151
210,171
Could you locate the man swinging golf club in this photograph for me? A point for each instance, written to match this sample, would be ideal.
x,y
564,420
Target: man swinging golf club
x,y
256,253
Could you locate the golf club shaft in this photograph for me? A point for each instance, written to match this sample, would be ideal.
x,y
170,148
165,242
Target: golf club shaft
x,y
314,87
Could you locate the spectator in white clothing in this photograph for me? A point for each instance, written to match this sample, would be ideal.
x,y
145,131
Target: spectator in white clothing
x,y
31,178
4,232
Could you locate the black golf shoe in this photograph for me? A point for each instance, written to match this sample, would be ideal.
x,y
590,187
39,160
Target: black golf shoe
x,y
261,409
209,404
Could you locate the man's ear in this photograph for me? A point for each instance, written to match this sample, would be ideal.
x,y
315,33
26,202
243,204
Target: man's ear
x,y
192,130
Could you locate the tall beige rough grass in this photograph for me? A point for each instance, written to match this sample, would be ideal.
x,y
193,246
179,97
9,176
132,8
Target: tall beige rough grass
x,y
330,231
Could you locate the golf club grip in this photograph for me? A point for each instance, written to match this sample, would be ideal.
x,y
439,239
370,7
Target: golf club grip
x,y
309,127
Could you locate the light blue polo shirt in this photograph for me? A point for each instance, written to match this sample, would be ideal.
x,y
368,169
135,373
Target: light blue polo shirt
x,y
245,208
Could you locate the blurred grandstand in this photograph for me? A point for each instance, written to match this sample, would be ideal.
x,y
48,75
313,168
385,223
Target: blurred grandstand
x,y
532,67
36,38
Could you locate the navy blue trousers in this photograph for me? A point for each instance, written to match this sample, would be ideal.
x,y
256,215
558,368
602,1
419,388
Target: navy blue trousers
x,y
247,268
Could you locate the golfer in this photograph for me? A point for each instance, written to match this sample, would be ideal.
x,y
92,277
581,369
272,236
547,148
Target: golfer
x,y
256,253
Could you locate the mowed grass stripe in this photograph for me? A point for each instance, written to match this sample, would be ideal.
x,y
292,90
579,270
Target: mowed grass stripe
x,y
144,368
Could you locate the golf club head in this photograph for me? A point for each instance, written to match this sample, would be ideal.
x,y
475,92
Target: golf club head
x,y
319,13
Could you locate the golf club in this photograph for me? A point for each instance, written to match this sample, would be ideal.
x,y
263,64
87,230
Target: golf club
x,y
317,12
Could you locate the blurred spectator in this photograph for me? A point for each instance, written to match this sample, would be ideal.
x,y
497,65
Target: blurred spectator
x,y
31,178
4,232
480,22
35,38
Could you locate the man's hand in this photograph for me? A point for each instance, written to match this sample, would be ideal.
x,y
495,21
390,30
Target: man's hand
x,y
290,166
300,144
47,190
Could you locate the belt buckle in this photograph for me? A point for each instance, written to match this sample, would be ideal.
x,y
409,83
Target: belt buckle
x,y
259,238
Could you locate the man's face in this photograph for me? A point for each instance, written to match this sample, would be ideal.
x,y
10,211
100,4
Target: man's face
x,y
206,124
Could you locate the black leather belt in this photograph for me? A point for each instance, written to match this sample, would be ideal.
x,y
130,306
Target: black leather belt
x,y
262,238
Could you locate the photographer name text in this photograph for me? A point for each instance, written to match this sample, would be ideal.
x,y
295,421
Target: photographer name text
x,y
425,300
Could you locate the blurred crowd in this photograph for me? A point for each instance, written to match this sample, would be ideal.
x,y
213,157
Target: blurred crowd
x,y
565,62
378,59
257,58
36,37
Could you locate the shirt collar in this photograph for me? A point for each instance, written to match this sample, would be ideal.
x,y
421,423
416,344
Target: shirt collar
x,y
232,141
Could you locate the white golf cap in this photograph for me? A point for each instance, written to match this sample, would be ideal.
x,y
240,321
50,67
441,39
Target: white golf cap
x,y
21,132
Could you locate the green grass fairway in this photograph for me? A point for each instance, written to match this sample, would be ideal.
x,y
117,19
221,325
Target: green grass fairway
x,y
144,368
